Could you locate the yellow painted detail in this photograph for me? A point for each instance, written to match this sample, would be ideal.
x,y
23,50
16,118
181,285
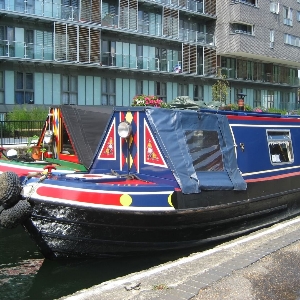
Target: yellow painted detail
x,y
169,200
129,117
125,200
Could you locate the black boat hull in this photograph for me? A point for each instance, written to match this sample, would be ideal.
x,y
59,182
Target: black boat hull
x,y
63,231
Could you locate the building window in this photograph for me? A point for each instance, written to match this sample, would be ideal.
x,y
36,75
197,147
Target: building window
x,y
161,62
292,40
108,91
287,16
161,90
1,87
69,90
24,88
271,38
7,38
139,87
274,7
249,2
284,101
182,89
198,92
242,28
280,146
268,100
256,98
29,42
298,16
108,53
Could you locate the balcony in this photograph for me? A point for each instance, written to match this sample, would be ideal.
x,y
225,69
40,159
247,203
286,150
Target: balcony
x,y
23,50
187,5
44,9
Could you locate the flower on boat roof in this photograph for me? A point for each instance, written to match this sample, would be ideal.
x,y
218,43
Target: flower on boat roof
x,y
259,109
143,100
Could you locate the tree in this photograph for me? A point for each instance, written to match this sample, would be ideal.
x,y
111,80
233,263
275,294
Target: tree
x,y
220,89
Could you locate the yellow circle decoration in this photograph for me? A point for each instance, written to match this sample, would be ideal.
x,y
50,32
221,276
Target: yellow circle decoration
x,y
125,200
169,200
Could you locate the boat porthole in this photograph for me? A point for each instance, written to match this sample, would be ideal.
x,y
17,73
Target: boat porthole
x,y
125,200
170,200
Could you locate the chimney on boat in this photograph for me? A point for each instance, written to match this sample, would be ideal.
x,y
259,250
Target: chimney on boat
x,y
241,101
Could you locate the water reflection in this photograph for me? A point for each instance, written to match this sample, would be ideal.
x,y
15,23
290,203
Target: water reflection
x,y
25,275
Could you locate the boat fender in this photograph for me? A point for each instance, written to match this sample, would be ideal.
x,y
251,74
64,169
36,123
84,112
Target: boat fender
x,y
10,218
10,189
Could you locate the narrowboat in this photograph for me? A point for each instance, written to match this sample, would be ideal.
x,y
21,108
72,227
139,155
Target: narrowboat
x,y
68,139
164,179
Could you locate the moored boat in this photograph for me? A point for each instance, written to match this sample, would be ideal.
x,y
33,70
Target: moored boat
x,y
168,179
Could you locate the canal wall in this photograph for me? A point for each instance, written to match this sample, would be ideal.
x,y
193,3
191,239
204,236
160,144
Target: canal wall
x,y
230,270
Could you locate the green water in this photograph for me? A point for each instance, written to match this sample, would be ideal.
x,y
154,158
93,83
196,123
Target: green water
x,y
24,274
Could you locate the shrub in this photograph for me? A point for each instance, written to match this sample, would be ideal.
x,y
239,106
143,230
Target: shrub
x,y
143,100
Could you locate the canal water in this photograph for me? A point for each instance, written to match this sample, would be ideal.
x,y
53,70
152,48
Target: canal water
x,y
25,274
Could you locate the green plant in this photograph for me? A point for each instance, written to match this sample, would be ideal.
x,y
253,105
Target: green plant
x,y
143,100
30,143
22,113
220,89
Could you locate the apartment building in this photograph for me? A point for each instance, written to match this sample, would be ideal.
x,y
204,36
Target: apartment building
x,y
105,52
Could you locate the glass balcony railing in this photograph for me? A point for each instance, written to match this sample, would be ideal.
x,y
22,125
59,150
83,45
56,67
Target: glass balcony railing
x,y
109,59
15,49
64,12
71,13
43,9
192,36
184,35
191,5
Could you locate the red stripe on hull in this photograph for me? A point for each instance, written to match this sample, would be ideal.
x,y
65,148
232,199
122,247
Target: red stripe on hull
x,y
80,196
262,118
273,177
18,171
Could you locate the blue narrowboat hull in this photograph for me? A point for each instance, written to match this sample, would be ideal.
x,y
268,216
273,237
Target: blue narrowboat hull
x,y
177,180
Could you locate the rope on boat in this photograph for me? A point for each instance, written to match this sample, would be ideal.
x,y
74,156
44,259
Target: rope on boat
x,y
128,176
34,186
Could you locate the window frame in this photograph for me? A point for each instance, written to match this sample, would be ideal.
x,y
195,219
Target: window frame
x,y
182,89
69,92
2,91
109,92
270,141
24,90
198,92
287,16
160,87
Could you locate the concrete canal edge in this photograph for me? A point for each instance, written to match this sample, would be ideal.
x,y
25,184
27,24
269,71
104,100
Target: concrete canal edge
x,y
189,277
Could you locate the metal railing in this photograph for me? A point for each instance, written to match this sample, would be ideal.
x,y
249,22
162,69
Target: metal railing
x,y
18,132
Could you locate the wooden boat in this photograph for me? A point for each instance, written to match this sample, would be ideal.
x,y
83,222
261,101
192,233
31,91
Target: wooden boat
x,y
168,179
70,137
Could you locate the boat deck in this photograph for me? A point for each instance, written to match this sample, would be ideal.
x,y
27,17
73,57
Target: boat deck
x,y
226,271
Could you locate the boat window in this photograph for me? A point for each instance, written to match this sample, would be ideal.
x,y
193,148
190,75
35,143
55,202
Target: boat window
x,y
280,146
205,150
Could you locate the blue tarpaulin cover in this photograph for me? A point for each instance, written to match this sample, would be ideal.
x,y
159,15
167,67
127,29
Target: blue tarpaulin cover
x,y
171,129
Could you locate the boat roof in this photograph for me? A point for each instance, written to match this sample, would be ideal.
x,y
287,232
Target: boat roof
x,y
85,126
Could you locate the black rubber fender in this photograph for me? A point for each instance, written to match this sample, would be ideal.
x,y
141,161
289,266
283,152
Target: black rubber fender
x,y
10,189
12,217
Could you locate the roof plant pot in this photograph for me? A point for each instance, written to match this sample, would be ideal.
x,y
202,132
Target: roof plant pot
x,y
36,152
